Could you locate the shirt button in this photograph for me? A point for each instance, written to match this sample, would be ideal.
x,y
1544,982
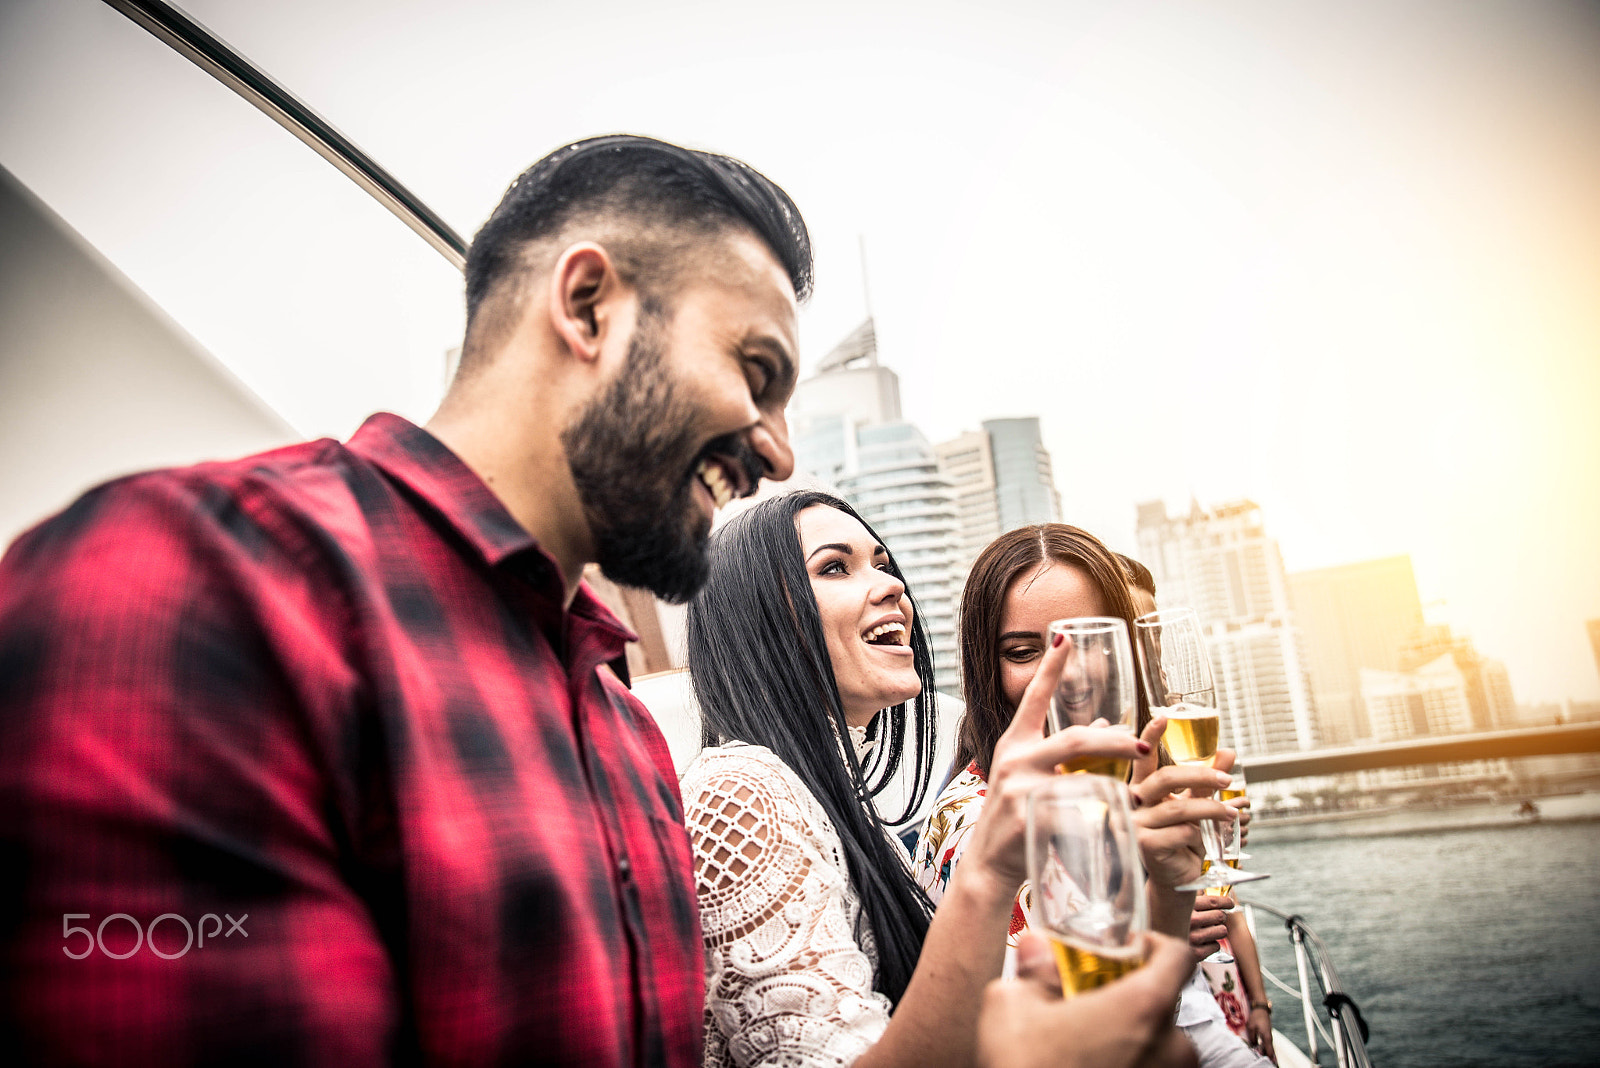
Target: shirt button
x,y
625,869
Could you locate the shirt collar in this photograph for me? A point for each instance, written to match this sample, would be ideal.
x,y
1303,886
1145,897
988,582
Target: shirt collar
x,y
426,466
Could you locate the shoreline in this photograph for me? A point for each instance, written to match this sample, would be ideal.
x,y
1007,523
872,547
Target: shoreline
x,y
1430,817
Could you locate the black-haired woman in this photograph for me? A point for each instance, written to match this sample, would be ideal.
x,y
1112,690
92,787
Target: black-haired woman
x,y
814,679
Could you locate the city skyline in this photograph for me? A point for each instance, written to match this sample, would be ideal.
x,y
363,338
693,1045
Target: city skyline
x,y
1337,259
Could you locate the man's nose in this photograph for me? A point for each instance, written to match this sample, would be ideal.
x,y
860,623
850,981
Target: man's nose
x,y
770,439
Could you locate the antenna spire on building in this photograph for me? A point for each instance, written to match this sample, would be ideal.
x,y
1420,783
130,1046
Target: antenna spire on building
x,y
866,291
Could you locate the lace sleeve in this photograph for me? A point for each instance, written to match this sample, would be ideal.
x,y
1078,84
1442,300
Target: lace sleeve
x,y
786,982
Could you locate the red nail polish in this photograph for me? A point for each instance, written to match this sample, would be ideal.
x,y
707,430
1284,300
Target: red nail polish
x,y
1142,746
1056,639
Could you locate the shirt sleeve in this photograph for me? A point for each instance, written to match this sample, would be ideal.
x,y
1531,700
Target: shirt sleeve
x,y
786,980
176,890
944,837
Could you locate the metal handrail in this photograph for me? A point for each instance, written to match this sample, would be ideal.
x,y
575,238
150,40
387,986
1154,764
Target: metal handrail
x,y
217,58
1312,959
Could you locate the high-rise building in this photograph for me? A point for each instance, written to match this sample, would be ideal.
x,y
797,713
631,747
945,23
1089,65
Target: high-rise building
x,y
847,433
968,462
1351,617
1025,487
1222,564
1430,699
897,487
1486,684
1003,480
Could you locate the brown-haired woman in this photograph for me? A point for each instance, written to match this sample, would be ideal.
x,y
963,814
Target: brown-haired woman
x,y
1020,583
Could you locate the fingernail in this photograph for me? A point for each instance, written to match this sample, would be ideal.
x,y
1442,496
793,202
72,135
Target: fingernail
x,y
1056,639
1223,778
1143,747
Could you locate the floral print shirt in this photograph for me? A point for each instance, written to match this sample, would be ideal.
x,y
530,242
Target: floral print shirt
x,y
944,839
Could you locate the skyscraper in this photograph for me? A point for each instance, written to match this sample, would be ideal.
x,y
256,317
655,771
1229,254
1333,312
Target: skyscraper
x,y
1222,564
1351,617
968,462
1485,682
1003,480
848,434
1025,486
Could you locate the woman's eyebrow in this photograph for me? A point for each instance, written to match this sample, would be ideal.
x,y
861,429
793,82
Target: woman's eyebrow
x,y
837,545
1033,634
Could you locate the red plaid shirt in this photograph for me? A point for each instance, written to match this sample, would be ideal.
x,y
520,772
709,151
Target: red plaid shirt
x,y
327,701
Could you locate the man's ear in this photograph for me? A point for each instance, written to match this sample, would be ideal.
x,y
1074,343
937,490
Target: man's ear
x,y
583,288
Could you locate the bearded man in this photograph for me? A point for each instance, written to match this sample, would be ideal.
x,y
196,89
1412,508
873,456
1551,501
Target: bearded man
x,y
354,697
314,758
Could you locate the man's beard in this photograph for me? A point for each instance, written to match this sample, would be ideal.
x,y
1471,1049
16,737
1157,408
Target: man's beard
x,y
633,454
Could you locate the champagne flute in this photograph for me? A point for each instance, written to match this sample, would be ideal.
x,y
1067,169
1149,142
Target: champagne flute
x,y
1176,671
1097,684
1088,883
1233,844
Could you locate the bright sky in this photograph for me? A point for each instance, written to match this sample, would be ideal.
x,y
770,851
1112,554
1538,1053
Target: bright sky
x,y
1341,257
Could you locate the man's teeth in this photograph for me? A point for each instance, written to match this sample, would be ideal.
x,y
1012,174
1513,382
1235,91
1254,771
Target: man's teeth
x,y
711,475
896,629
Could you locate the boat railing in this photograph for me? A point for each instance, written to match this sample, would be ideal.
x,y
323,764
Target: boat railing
x,y
1345,1031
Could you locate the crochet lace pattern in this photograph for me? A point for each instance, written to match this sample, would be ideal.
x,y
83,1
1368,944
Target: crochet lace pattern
x,y
787,984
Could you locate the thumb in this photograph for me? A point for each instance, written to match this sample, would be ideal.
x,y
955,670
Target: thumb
x,y
1036,961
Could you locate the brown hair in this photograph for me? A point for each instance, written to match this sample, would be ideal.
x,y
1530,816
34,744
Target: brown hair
x,y
997,567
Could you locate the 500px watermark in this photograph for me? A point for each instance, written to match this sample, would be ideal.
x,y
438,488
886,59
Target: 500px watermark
x,y
147,935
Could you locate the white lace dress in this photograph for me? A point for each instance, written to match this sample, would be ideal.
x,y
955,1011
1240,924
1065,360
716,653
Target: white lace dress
x,y
786,981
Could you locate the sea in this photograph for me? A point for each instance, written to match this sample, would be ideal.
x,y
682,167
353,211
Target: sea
x,y
1468,936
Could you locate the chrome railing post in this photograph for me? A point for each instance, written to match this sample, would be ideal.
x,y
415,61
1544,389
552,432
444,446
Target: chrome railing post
x,y
1304,967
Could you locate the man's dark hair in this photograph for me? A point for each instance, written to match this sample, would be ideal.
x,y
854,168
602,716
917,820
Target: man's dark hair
x,y
663,202
759,662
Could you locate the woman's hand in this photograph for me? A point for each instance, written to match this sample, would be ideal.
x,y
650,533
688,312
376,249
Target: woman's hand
x,y
1258,1032
1169,804
1207,925
1025,759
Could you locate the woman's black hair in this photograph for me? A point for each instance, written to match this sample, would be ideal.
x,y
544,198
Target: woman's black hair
x,y
759,662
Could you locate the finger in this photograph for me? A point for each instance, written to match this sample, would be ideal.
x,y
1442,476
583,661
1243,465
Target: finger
x,y
1029,719
1224,759
1175,810
1175,777
1074,742
1036,962
1151,759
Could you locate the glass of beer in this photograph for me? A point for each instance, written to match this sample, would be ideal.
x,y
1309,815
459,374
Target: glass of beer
x,y
1232,837
1176,672
1177,681
1097,687
1088,883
